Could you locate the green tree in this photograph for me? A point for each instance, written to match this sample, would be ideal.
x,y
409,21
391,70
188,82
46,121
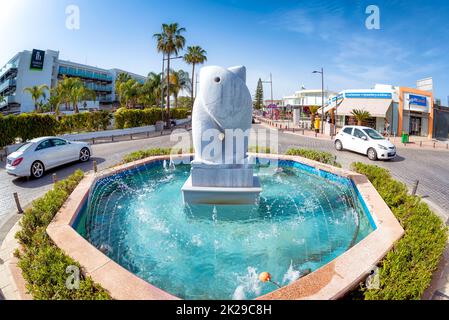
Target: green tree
x,y
170,41
185,102
37,92
360,116
2,99
195,55
130,92
121,78
258,98
179,81
313,112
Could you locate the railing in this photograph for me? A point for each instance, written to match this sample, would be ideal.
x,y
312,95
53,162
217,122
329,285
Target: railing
x,y
84,74
7,84
6,68
98,87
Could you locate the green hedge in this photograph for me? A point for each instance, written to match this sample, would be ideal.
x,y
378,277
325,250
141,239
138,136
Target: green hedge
x,y
406,272
27,126
320,156
131,118
43,264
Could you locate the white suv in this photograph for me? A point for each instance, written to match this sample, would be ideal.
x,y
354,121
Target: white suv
x,y
366,141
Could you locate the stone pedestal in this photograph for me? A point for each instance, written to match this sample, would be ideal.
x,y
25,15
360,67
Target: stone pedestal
x,y
221,184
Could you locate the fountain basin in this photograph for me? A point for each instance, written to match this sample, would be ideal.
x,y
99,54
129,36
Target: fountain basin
x,y
330,280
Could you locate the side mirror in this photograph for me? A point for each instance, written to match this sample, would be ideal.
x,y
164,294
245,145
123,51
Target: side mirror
x,y
364,138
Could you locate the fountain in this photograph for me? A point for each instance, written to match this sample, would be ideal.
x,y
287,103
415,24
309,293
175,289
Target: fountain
x,y
221,172
155,230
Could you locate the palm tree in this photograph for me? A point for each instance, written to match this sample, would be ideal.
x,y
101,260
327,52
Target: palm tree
x,y
313,111
360,115
55,99
195,55
121,78
170,41
130,92
36,93
179,81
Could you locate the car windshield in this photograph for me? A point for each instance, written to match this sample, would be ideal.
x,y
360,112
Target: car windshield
x,y
373,134
24,147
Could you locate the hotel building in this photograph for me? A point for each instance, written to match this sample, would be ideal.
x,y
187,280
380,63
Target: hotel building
x,y
37,67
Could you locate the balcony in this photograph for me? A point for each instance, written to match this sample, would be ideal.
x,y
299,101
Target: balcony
x,y
72,72
7,70
8,84
99,87
8,100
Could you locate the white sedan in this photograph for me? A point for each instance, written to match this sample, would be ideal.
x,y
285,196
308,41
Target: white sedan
x,y
41,154
366,141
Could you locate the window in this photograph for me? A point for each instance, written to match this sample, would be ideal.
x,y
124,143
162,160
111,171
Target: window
x,y
44,145
58,142
358,134
24,147
348,130
373,134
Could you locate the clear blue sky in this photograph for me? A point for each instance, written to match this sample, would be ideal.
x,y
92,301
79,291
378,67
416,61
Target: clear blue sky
x,y
288,38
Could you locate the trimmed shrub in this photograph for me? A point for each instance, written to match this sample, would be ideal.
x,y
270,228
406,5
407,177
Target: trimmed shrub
x,y
406,272
43,264
28,126
320,156
131,118
142,154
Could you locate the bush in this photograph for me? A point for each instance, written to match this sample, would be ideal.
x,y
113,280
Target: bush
x,y
258,149
131,118
406,272
142,154
28,126
43,264
320,156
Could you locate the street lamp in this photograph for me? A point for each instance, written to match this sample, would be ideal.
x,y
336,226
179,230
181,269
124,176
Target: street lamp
x,y
271,84
322,98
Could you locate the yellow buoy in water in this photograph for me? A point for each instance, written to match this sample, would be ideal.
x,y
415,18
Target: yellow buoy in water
x,y
265,277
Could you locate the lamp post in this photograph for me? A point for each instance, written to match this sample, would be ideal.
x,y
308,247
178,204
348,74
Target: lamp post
x,y
322,98
271,84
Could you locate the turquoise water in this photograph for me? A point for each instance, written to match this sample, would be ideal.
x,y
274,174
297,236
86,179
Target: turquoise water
x,y
303,221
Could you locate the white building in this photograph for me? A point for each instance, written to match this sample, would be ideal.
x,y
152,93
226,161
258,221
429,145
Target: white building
x,y
37,67
307,98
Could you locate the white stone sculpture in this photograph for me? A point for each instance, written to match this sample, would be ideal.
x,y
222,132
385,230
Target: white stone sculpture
x,y
221,123
224,103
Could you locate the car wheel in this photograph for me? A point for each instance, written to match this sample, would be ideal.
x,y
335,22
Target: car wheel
x,y
84,155
37,169
372,154
338,145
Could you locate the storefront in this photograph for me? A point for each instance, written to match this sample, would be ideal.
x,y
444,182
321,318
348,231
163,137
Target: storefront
x,y
416,112
380,104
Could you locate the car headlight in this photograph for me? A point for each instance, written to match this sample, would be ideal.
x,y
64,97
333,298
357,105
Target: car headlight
x,y
382,147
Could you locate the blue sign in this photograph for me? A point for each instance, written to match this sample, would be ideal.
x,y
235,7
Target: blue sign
x,y
418,100
368,95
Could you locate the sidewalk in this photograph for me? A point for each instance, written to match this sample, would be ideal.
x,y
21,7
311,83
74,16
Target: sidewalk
x,y
418,143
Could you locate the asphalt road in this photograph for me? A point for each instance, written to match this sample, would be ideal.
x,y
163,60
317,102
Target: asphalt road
x,y
431,168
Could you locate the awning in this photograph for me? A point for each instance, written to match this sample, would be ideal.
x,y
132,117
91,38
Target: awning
x,y
378,108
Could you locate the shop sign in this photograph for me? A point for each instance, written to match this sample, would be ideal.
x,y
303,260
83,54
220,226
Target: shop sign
x,y
368,95
418,100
